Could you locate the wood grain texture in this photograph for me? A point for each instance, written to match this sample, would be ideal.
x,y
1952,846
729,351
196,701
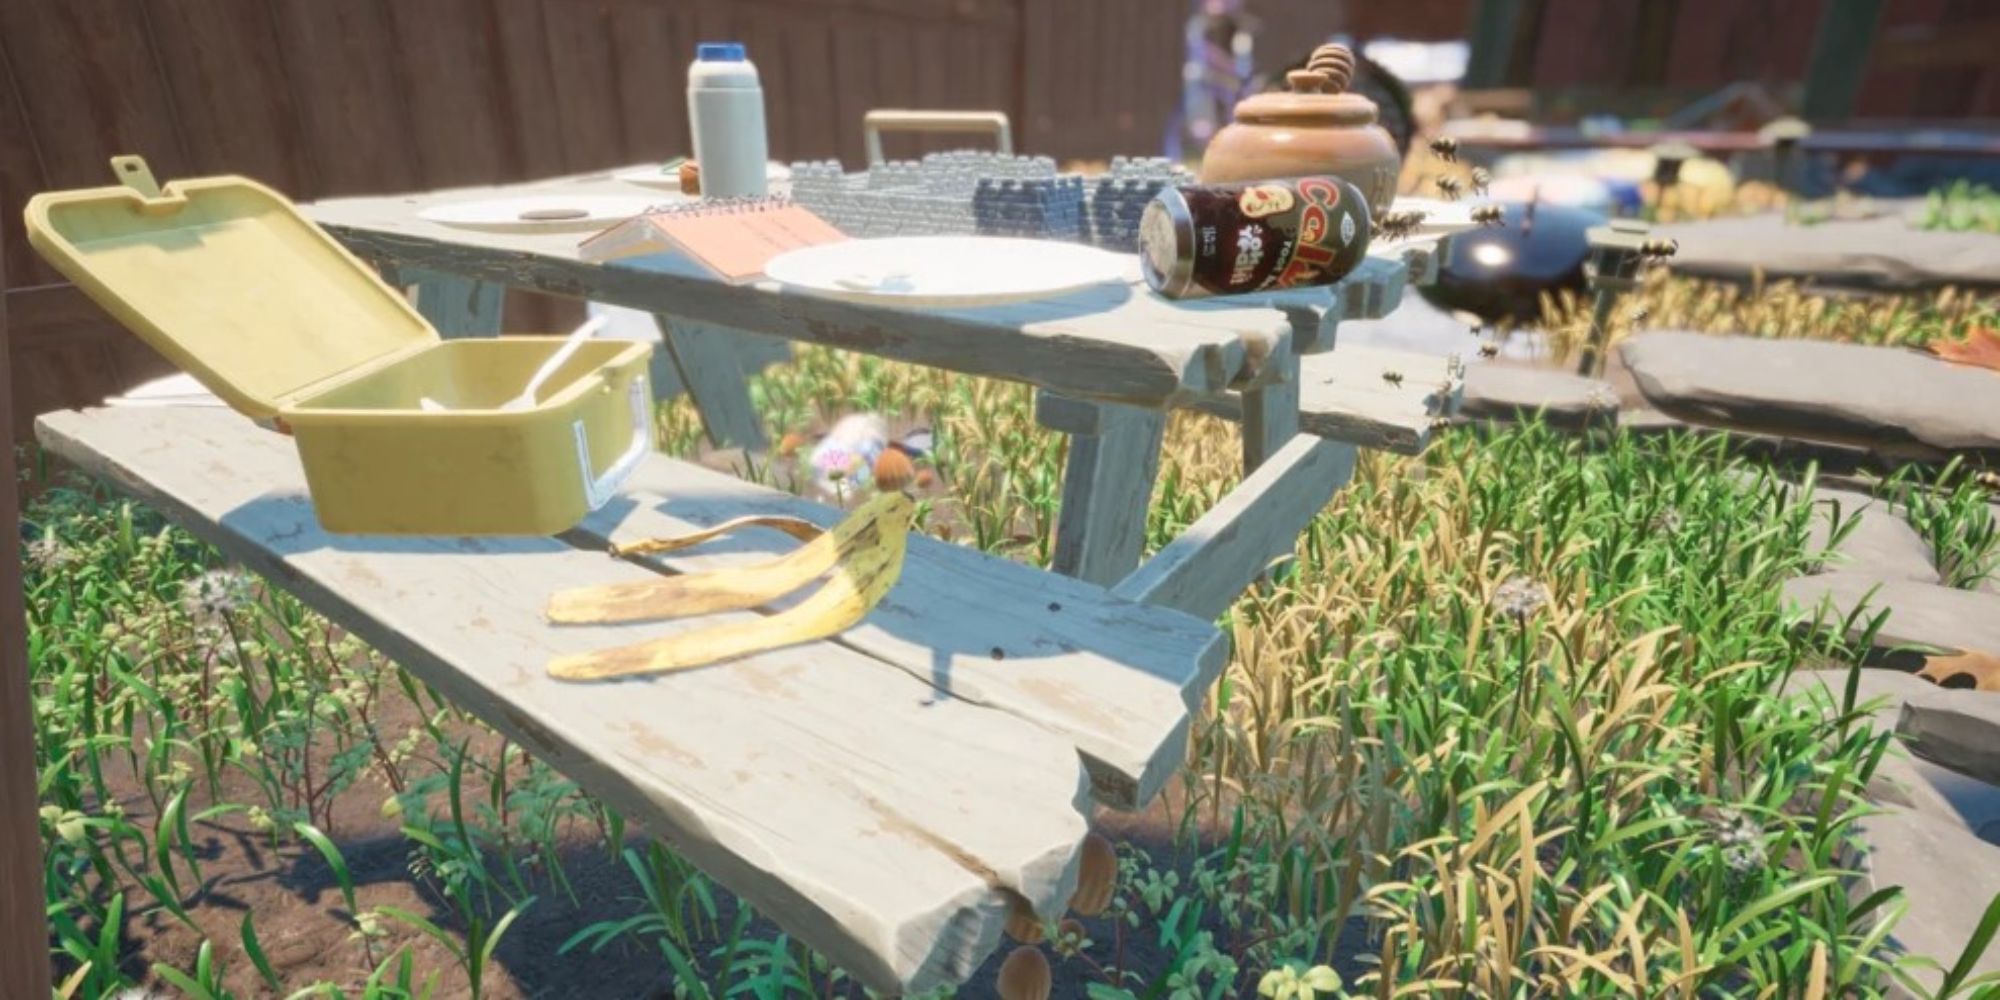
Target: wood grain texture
x,y
454,306
1344,396
219,67
874,821
1270,416
1115,679
1107,484
709,364
1113,342
24,936
1205,570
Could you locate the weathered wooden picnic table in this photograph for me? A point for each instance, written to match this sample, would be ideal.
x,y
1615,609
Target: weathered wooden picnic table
x,y
1107,363
891,795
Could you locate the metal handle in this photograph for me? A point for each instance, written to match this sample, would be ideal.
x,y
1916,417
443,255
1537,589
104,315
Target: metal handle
x,y
598,490
874,123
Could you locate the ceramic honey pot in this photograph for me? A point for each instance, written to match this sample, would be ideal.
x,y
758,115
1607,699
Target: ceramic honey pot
x,y
1314,128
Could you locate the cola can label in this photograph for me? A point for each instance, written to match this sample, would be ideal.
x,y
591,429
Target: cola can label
x,y
1226,239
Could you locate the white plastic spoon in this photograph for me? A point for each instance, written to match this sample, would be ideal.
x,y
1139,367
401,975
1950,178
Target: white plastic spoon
x,y
527,397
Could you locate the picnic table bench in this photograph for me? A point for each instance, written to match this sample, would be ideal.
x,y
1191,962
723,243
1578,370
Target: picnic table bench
x,y
892,795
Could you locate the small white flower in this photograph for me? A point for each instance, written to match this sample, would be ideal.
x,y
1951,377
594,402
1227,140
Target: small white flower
x,y
47,554
1520,597
214,596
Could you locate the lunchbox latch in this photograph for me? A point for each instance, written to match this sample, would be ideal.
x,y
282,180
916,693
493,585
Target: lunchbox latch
x,y
133,172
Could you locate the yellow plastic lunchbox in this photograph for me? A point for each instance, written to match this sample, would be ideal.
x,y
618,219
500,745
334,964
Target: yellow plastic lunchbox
x,y
226,278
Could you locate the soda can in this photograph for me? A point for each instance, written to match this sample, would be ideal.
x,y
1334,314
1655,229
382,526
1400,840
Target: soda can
x,y
1227,239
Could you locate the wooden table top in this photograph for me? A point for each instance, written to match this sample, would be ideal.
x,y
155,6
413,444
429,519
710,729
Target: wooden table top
x,y
1112,343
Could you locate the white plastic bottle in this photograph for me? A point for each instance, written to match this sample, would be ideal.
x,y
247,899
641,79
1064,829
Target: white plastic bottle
x,y
726,115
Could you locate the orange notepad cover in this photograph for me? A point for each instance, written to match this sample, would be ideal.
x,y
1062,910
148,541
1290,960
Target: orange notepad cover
x,y
733,239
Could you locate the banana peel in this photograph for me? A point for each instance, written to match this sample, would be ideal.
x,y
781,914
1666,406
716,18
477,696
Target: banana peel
x,y
864,554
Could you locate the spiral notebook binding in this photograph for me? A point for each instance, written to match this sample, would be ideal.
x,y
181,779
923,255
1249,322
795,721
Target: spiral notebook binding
x,y
721,206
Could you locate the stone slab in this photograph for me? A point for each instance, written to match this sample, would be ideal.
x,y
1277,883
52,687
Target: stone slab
x,y
1880,544
1919,614
1883,254
1514,392
1896,402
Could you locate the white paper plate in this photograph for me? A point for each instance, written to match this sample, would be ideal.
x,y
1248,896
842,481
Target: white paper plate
x,y
548,213
950,270
670,180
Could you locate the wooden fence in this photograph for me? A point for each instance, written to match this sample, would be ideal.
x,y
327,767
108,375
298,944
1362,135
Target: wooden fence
x,y
337,97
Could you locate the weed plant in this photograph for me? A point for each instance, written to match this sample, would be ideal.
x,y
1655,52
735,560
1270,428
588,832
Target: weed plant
x,y
1962,207
1509,724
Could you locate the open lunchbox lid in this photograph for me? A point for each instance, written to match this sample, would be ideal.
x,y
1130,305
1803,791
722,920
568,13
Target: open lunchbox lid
x,y
226,278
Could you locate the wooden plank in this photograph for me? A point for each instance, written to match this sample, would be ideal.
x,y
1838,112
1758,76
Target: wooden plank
x,y
87,80
1115,679
816,128
454,306
443,49
1205,570
711,370
21,176
24,934
882,826
853,57
1345,395
527,97
346,92
220,66
1270,417
586,89
1839,59
1107,485
1112,342
652,80
65,352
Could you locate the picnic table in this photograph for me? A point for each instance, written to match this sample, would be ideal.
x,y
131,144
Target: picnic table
x,y
890,796
1107,363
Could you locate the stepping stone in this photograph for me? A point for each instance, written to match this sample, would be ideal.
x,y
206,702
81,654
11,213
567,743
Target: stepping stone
x,y
1948,876
1925,841
1517,392
1881,254
1905,779
1881,544
1919,613
1955,728
1896,402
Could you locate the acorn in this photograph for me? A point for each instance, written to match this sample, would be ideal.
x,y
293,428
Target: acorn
x,y
1096,876
1025,975
690,177
1022,924
894,470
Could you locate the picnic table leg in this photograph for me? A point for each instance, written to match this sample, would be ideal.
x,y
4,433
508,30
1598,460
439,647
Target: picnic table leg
x,y
1270,416
455,306
1229,548
711,370
24,935
1114,455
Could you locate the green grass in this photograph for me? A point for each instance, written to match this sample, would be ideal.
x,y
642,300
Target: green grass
x,y
1514,704
1962,207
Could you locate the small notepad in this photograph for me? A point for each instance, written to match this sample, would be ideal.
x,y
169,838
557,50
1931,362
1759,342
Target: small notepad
x,y
734,239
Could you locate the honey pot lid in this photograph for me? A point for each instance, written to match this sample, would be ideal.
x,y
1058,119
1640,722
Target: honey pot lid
x,y
1317,95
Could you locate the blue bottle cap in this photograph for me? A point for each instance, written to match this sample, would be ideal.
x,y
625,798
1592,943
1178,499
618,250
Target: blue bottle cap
x,y
719,52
